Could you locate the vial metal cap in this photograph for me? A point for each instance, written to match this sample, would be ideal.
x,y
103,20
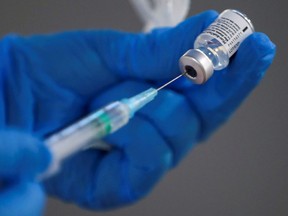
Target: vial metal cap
x,y
195,65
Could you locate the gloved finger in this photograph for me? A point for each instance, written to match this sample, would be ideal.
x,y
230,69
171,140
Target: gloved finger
x,y
151,56
21,155
225,91
249,66
24,198
101,180
169,113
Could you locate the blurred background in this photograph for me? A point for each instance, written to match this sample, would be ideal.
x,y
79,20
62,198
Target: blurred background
x,y
240,170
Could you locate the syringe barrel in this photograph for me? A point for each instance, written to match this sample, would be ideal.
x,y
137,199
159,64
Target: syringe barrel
x,y
87,131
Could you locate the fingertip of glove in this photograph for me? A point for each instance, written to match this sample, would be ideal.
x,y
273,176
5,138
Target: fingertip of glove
x,y
248,67
35,160
23,154
255,55
35,154
45,157
260,44
263,51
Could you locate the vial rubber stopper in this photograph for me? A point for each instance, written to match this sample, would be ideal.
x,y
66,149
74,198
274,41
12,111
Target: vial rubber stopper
x,y
196,66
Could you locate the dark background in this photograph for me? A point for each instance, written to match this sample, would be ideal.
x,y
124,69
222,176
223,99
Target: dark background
x,y
242,169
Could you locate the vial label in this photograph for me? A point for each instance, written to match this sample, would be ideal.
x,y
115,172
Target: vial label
x,y
230,29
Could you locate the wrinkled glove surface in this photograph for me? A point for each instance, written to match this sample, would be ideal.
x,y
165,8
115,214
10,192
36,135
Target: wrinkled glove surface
x,y
50,81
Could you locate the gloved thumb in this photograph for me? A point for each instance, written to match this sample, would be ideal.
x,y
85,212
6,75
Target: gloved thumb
x,y
21,155
152,56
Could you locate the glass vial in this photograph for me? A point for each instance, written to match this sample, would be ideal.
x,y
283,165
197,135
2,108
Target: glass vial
x,y
214,47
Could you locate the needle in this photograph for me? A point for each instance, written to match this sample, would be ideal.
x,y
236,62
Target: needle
x,y
163,86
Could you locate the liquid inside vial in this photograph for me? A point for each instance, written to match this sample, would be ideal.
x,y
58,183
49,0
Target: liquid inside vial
x,y
214,50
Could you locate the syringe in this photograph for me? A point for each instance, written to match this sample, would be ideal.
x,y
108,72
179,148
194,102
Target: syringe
x,y
88,131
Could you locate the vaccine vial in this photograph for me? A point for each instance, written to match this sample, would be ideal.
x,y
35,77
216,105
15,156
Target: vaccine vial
x,y
214,47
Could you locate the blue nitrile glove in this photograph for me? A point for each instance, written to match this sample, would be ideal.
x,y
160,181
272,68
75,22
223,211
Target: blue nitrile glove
x,y
50,81
22,157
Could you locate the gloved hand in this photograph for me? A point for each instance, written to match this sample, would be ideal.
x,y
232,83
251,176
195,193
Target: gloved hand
x,y
22,157
50,81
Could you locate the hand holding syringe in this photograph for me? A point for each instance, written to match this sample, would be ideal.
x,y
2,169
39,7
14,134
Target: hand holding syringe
x,y
102,122
197,64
